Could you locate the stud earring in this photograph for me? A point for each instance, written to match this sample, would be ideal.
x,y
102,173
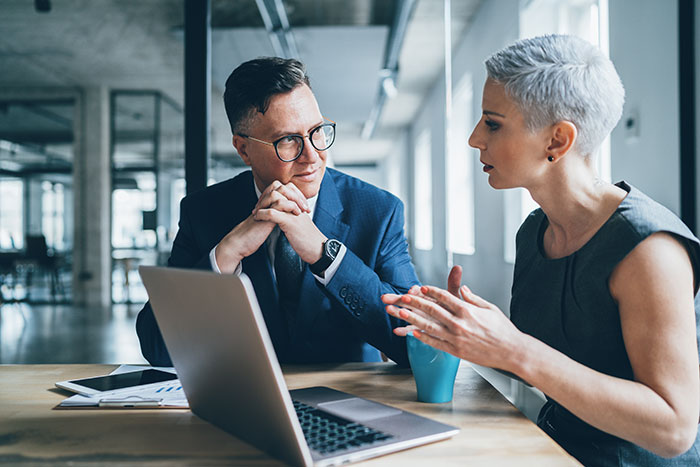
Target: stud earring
x,y
550,158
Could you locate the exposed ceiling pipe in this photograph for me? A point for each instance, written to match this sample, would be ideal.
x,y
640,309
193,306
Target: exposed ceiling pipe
x,y
277,25
388,74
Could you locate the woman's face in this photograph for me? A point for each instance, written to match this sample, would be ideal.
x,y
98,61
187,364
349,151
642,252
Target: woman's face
x,y
513,156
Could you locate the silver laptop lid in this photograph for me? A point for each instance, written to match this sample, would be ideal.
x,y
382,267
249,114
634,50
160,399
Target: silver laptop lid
x,y
264,414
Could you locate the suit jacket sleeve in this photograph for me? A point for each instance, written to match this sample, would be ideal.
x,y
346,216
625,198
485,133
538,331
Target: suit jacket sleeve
x,y
357,288
185,254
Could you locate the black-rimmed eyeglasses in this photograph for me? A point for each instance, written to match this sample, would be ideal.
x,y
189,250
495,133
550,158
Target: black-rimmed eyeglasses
x,y
290,147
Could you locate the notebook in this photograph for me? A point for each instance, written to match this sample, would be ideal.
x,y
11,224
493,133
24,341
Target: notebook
x,y
216,336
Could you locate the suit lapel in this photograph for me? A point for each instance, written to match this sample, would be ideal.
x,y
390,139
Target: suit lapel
x,y
327,218
328,210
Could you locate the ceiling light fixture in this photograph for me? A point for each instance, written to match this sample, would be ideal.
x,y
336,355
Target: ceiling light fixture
x,y
389,82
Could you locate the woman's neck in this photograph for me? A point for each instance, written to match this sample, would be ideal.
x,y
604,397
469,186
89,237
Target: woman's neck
x,y
577,203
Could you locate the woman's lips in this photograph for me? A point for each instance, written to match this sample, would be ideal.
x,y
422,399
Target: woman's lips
x,y
487,167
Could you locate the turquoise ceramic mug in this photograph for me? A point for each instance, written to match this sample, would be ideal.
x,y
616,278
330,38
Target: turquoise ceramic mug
x,y
433,370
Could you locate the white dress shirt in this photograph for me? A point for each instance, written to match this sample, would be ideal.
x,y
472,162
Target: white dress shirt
x,y
271,242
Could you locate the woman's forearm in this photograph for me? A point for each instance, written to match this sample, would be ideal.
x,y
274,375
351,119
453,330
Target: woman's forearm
x,y
627,409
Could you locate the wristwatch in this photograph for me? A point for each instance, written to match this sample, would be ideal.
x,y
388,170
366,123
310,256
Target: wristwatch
x,y
331,247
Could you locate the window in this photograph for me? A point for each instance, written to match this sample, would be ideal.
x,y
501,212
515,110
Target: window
x,y
587,19
128,205
52,214
11,214
423,192
177,193
459,176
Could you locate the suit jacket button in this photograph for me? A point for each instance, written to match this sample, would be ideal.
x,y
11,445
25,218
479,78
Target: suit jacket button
x,y
347,299
343,292
353,307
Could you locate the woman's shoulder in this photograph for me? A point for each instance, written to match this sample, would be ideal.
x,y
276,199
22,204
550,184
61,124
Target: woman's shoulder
x,y
641,216
531,226
636,219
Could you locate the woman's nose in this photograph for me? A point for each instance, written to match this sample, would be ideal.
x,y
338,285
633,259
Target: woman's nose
x,y
474,140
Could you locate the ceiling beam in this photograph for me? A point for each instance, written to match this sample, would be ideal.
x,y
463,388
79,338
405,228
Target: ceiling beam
x,y
277,25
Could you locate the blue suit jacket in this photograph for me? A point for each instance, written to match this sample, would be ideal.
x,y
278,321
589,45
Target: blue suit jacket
x,y
334,321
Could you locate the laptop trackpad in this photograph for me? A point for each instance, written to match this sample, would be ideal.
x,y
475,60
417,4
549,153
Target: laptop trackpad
x,y
358,409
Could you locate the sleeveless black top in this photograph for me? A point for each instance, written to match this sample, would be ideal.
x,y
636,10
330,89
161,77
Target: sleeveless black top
x,y
566,303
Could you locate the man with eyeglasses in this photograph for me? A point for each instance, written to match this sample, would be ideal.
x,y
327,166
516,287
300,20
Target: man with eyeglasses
x,y
319,246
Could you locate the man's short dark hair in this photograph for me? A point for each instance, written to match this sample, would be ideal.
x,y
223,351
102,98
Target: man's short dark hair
x,y
252,84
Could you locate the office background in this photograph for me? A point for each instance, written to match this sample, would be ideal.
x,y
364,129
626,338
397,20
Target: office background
x,y
93,157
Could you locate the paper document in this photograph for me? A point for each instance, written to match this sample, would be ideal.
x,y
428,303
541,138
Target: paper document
x,y
169,394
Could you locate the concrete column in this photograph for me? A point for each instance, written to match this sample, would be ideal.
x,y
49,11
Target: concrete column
x,y
92,262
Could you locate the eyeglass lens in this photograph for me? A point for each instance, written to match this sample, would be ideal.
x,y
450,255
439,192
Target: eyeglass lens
x,y
290,147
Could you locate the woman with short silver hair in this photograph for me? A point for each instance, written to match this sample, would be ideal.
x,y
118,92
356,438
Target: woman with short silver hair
x,y
602,317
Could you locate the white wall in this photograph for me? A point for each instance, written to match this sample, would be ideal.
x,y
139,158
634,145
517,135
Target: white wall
x,y
494,26
486,272
431,265
644,49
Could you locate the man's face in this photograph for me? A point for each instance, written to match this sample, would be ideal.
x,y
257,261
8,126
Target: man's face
x,y
295,112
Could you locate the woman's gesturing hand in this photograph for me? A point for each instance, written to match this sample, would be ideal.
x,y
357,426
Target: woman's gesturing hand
x,y
471,328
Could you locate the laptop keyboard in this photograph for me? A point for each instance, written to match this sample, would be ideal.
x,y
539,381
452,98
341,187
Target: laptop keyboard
x,y
327,433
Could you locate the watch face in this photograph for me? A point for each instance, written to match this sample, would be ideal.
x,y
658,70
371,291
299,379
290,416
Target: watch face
x,y
333,247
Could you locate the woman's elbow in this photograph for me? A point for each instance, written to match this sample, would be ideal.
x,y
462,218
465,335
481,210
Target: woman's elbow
x,y
677,441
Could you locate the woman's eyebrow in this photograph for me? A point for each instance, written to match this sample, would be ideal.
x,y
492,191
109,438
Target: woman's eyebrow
x,y
490,112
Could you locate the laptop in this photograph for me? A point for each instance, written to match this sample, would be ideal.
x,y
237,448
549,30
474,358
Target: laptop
x,y
214,330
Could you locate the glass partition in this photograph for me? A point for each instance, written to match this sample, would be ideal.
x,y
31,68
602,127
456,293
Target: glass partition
x,y
36,189
147,163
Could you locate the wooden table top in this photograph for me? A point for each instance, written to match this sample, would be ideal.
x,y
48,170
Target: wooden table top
x,y
493,432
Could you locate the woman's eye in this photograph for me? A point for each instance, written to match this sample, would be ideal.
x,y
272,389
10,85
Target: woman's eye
x,y
493,126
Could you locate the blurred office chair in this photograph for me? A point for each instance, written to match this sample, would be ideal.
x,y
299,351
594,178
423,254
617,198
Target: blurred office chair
x,y
8,276
38,257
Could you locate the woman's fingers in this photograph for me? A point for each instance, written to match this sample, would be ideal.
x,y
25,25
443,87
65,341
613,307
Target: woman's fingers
x,y
438,343
445,300
423,319
473,298
414,290
429,306
403,331
393,299
454,279
390,298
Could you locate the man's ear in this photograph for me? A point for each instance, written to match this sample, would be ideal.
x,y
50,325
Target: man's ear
x,y
562,139
241,145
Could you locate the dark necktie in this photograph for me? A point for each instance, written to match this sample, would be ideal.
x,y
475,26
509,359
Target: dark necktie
x,y
288,269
